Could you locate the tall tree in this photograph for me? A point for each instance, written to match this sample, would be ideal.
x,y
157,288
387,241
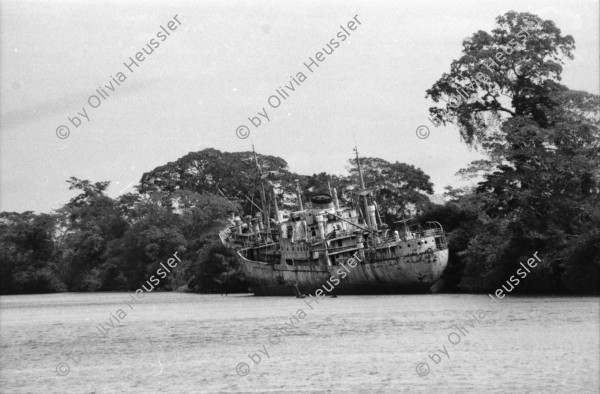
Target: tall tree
x,y
86,225
540,187
522,59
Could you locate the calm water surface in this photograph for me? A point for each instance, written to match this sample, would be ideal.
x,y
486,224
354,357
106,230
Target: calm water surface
x,y
184,343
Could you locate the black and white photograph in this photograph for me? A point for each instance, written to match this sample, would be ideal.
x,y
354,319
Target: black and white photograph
x,y
236,196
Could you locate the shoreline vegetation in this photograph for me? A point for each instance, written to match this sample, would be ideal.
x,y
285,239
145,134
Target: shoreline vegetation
x,y
536,190
99,244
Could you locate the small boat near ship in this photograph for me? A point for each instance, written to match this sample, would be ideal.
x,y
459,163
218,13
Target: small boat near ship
x,y
298,252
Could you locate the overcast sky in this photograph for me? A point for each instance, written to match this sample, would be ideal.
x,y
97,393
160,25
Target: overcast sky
x,y
220,66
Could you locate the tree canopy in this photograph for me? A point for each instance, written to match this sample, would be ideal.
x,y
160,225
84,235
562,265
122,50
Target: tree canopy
x,y
521,59
540,180
97,243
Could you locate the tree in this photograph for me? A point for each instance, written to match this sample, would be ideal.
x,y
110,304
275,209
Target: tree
x,y
541,177
522,58
26,248
86,225
154,236
399,186
211,171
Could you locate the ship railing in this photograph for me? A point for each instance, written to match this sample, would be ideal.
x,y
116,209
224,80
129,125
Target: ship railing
x,y
262,242
388,241
317,240
440,235
246,240
417,235
342,249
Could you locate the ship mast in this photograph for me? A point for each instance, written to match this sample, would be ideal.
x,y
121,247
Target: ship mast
x,y
274,197
263,198
299,194
362,186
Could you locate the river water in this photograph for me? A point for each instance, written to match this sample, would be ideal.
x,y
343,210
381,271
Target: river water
x,y
187,343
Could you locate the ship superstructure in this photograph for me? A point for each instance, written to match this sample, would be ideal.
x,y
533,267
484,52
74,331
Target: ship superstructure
x,y
302,250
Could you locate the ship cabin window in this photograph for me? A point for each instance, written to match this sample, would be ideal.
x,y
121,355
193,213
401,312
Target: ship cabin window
x,y
332,258
290,231
314,232
289,261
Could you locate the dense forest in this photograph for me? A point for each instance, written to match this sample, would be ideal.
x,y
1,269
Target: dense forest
x,y
537,190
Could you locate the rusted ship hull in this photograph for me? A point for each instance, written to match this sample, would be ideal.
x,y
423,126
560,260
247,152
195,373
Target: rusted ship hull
x,y
405,274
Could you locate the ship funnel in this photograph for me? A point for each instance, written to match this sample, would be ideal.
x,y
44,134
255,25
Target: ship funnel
x,y
322,201
371,215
